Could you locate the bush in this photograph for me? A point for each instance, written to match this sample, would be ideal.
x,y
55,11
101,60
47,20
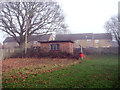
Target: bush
x,y
38,53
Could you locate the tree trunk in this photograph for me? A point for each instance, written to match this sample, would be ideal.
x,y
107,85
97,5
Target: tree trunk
x,y
118,43
22,44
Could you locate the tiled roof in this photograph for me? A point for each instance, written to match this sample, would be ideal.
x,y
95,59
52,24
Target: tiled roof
x,y
103,36
56,41
31,38
83,36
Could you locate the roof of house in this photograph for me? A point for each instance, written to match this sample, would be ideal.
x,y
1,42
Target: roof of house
x,y
103,36
31,38
56,41
83,36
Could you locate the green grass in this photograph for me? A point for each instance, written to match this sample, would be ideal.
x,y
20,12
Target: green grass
x,y
95,72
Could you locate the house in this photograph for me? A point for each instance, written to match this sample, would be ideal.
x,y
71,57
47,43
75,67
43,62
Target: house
x,y
57,46
88,39
10,42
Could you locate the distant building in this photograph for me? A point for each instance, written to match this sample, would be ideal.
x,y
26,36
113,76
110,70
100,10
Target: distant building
x,y
88,39
57,46
10,42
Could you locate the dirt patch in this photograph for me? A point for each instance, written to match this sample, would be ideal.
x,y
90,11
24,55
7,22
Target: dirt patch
x,y
33,62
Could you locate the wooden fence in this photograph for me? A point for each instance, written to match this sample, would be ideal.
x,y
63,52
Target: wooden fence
x,y
88,51
6,53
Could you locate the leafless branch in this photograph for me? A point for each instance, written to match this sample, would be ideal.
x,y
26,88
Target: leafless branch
x,y
42,17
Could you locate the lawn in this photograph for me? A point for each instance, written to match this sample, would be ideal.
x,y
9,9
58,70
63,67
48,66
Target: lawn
x,y
93,72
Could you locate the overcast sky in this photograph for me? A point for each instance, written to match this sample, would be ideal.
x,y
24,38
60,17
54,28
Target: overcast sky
x,y
86,16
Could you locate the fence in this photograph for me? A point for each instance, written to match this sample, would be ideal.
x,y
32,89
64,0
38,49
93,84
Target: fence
x,y
6,53
88,51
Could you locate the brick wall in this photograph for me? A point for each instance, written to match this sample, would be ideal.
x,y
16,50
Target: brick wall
x,y
64,47
84,43
103,43
92,43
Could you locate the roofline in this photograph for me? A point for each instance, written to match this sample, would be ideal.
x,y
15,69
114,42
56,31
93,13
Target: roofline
x,y
56,41
93,34
84,33
19,37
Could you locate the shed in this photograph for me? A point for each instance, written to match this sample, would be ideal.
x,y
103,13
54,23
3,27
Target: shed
x,y
57,46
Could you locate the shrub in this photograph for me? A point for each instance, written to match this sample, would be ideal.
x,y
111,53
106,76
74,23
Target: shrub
x,y
38,53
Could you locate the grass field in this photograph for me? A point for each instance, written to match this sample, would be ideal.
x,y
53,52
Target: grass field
x,y
93,72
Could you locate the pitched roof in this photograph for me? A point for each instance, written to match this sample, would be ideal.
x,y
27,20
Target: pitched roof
x,y
56,41
103,36
39,37
9,39
83,36
31,38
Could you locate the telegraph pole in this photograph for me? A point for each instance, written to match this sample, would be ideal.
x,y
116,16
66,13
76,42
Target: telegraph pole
x,y
26,34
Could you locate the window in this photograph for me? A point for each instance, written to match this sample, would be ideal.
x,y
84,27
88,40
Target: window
x,y
104,46
34,42
96,41
108,40
89,40
54,46
77,41
96,46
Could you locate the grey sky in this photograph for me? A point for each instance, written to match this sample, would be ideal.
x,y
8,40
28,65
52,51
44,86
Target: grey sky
x,y
86,16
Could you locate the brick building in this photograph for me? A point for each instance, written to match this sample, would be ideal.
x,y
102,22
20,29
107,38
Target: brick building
x,y
87,40
63,46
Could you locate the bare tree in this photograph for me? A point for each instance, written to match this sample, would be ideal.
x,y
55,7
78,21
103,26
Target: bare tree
x,y
111,26
37,17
